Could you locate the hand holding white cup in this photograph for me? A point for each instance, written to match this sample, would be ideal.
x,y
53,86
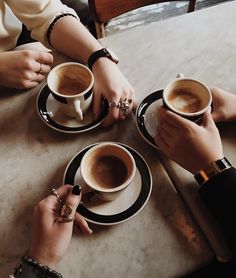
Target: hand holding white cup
x,y
71,84
187,97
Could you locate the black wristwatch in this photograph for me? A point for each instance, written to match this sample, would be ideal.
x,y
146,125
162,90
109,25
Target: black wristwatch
x,y
212,170
104,52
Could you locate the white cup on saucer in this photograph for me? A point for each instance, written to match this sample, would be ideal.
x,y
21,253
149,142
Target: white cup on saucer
x,y
187,97
107,169
71,84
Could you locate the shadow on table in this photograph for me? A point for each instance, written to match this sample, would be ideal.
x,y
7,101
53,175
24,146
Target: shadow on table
x,y
216,269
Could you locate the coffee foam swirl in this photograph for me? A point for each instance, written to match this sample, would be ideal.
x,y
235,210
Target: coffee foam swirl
x,y
184,101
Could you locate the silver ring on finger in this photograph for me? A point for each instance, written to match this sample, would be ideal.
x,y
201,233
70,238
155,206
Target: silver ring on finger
x,y
124,106
113,104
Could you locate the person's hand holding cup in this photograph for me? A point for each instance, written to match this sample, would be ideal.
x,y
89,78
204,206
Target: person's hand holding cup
x,y
186,131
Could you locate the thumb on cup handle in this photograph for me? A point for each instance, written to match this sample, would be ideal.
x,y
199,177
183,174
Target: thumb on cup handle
x,y
79,113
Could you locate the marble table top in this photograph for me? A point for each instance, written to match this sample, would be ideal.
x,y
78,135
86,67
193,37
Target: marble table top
x,y
164,239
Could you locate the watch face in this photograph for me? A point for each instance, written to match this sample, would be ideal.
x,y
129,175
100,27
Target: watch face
x,y
112,55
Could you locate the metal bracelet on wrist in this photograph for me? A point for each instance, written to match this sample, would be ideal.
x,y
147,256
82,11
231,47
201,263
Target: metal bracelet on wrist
x,y
44,270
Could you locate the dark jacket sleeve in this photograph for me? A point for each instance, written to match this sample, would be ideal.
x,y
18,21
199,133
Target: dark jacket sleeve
x,y
219,194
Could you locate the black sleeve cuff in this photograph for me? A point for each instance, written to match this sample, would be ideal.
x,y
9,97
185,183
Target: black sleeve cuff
x,y
219,194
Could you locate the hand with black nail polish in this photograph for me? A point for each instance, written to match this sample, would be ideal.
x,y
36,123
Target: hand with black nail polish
x,y
51,237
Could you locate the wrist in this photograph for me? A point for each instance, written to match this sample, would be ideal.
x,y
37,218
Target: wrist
x,y
211,170
103,64
43,259
100,56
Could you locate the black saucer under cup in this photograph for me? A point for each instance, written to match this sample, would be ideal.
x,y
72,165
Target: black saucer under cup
x,y
122,208
49,112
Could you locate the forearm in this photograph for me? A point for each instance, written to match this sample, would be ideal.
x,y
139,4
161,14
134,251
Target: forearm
x,y
70,37
219,194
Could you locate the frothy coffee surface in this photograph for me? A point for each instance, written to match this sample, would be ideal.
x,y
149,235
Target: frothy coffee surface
x,y
184,101
109,171
70,86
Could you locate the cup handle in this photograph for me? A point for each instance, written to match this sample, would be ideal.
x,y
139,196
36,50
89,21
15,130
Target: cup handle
x,y
180,75
79,113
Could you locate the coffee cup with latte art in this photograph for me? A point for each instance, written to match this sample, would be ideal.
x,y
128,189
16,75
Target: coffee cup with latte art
x,y
187,97
71,84
107,169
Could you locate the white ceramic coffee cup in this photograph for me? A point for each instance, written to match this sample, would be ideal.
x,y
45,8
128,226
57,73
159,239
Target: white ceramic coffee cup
x,y
187,97
107,169
71,84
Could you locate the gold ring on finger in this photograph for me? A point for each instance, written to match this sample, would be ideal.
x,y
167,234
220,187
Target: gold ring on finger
x,y
66,210
65,219
55,193
124,106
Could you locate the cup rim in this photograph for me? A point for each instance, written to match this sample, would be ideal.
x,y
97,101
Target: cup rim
x,y
67,64
109,190
188,114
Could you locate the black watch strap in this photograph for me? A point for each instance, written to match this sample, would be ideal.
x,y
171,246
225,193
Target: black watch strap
x,y
104,52
212,170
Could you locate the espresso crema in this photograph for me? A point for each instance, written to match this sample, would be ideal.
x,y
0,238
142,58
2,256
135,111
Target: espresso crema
x,y
109,171
184,101
69,86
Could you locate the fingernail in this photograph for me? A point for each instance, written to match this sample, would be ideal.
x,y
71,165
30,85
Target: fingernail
x,y
76,190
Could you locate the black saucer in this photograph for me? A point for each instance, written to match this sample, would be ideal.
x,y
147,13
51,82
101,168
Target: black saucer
x,y
146,116
129,203
49,111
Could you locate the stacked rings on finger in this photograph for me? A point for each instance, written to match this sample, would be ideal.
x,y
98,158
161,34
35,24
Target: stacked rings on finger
x,y
65,210
66,213
114,104
123,105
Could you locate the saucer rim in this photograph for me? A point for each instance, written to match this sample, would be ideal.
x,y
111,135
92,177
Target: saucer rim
x,y
71,130
143,199
140,112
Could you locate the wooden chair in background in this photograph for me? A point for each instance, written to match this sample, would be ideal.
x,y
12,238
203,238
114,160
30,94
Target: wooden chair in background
x,y
104,10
